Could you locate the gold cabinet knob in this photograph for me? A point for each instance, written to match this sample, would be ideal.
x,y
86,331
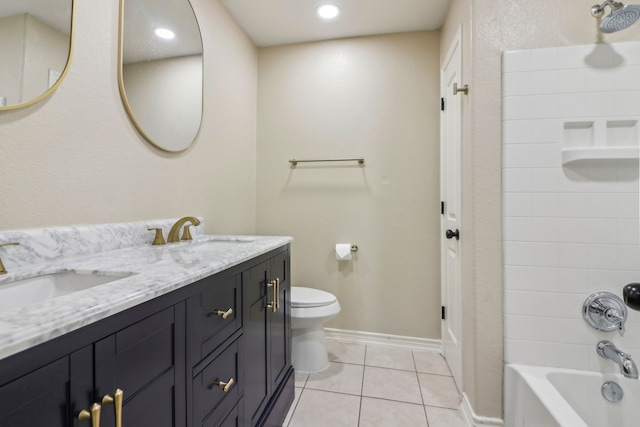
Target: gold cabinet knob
x,y
93,414
225,386
224,314
116,400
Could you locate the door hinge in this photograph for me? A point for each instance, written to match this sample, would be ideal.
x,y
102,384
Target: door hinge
x,y
441,208
444,313
441,104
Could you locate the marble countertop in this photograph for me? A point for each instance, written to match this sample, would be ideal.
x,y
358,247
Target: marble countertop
x,y
152,270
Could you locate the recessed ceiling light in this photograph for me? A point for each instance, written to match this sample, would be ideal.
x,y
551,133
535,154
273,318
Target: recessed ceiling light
x,y
165,33
328,11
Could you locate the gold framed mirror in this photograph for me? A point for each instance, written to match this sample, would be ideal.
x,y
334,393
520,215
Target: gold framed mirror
x,y
160,71
36,45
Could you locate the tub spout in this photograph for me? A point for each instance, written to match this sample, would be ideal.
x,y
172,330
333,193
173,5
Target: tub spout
x,y
609,351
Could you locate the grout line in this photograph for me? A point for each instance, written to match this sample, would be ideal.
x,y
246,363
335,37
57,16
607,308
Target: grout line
x,y
420,387
426,416
364,368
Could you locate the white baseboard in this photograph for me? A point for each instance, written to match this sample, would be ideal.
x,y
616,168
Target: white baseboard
x,y
397,341
474,420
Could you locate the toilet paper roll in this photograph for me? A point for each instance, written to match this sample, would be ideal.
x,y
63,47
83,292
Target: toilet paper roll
x,y
343,251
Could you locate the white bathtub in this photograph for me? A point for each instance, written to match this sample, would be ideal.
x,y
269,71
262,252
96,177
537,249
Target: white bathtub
x,y
551,397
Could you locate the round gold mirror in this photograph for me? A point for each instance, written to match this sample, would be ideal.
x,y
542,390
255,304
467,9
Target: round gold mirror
x,y
160,70
35,47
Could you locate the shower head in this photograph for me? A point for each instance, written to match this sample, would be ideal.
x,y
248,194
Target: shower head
x,y
621,16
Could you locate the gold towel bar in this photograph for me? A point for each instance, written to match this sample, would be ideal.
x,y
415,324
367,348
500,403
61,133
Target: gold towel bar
x,y
294,162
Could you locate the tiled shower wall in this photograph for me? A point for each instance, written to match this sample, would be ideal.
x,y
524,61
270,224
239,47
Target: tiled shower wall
x,y
569,229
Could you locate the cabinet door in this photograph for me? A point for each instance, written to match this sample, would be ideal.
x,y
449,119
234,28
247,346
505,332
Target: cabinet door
x,y
279,323
146,361
51,396
254,341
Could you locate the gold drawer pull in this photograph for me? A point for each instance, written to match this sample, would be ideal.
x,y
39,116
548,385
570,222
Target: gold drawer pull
x,y
94,415
116,399
273,305
225,386
224,314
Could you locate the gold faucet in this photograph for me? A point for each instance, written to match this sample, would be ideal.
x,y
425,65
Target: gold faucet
x,y
174,233
2,269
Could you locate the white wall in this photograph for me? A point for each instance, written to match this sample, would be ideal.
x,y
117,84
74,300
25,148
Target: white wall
x,y
375,97
76,157
569,229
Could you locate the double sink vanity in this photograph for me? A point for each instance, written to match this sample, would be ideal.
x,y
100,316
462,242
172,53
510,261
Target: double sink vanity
x,y
98,327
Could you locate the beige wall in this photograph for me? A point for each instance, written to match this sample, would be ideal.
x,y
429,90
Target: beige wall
x,y
76,157
491,27
376,97
11,32
170,116
29,48
45,48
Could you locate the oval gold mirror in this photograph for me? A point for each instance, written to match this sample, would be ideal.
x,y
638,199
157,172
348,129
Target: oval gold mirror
x,y
160,70
35,49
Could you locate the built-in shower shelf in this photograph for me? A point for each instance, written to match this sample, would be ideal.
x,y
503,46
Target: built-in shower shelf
x,y
600,139
627,154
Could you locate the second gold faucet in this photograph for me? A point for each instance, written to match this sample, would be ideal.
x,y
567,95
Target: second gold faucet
x,y
174,233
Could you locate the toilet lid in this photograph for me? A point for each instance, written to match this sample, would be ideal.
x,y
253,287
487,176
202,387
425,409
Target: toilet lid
x,y
309,297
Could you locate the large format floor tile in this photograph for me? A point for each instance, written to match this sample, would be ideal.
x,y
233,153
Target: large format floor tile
x,y
391,384
438,390
442,417
387,413
389,357
376,386
346,352
430,362
323,409
340,377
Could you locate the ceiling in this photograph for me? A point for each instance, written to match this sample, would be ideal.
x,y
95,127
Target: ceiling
x,y
277,22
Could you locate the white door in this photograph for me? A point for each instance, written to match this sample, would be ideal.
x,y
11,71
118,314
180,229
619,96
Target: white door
x,y
450,170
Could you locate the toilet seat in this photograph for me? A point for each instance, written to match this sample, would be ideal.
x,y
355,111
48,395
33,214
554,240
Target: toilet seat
x,y
302,297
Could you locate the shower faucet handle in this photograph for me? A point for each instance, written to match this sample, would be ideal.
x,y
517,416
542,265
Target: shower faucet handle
x,y
604,311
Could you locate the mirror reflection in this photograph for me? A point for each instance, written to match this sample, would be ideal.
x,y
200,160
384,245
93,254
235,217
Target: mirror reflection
x,y
160,70
35,48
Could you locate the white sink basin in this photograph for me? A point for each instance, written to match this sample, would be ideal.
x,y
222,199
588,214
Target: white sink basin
x,y
22,293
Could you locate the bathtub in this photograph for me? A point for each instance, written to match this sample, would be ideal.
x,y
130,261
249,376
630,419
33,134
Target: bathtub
x,y
552,397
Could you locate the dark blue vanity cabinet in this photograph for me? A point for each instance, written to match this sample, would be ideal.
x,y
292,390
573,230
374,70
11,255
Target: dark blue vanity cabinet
x,y
267,339
135,351
214,353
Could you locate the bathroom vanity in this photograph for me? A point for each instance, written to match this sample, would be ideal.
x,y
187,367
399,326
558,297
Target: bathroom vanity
x,y
196,334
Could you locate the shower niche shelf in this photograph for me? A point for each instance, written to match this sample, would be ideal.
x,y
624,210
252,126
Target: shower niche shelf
x,y
600,140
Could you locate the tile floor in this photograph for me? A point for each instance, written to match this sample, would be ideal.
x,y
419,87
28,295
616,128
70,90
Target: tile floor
x,y
374,386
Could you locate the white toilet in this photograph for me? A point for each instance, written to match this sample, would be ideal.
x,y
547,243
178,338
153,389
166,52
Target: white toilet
x,y
310,309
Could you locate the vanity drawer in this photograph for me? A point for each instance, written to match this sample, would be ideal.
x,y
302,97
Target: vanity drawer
x,y
210,400
215,314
